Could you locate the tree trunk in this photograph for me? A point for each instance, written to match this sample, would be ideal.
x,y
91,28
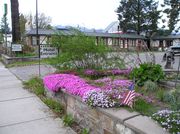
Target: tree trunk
x,y
15,21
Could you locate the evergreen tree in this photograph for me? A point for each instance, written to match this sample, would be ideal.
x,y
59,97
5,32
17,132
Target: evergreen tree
x,y
1,38
173,13
3,27
138,15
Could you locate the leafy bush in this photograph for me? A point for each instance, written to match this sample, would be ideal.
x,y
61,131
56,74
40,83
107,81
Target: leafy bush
x,y
147,71
68,120
83,52
168,97
169,120
150,86
79,51
173,98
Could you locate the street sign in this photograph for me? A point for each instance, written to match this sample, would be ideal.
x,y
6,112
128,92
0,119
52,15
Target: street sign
x,y
16,47
47,51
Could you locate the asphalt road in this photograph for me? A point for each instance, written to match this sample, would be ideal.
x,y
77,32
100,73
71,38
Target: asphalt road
x,y
26,72
158,60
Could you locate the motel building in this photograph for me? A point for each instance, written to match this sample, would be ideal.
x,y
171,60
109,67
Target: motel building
x,y
117,40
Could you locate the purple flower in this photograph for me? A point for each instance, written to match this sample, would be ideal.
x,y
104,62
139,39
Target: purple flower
x,y
90,72
107,96
110,84
71,83
98,98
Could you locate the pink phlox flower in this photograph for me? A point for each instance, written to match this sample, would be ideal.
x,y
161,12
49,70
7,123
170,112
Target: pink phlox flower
x,y
71,83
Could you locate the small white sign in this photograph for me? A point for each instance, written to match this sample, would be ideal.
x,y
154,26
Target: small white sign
x,y
48,52
16,47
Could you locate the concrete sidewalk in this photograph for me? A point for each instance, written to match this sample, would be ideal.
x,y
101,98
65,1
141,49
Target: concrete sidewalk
x,y
21,112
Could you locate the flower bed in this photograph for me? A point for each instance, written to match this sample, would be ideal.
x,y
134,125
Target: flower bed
x,y
96,74
106,92
101,120
111,94
169,120
110,84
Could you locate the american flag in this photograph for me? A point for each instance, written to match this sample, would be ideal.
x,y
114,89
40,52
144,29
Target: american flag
x,y
129,97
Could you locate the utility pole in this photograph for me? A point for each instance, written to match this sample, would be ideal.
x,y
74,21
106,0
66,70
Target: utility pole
x,y
5,24
37,38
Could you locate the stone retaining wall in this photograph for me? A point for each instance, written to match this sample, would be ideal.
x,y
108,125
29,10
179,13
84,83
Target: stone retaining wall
x,y
8,60
106,121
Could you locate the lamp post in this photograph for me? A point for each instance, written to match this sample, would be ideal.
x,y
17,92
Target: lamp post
x,y
37,38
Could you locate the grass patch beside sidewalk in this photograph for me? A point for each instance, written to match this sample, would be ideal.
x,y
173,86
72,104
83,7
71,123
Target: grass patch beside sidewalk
x,y
35,85
34,62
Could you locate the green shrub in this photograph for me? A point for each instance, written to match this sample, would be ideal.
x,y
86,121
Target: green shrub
x,y
147,71
83,52
168,97
78,51
173,98
150,86
68,120
35,85
175,103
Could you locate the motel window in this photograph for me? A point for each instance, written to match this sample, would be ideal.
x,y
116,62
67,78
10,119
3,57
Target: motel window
x,y
110,41
125,43
121,43
43,40
115,41
130,43
34,42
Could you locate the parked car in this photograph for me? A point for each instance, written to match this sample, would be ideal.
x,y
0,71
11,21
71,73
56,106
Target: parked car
x,y
175,48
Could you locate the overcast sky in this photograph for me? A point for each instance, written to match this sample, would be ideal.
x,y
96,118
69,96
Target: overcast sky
x,y
87,13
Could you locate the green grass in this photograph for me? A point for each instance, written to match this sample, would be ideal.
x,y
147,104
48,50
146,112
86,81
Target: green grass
x,y
143,107
20,63
68,120
25,63
25,54
54,105
35,85
160,94
85,131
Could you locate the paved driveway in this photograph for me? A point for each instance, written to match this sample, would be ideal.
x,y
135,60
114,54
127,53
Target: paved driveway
x,y
26,72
